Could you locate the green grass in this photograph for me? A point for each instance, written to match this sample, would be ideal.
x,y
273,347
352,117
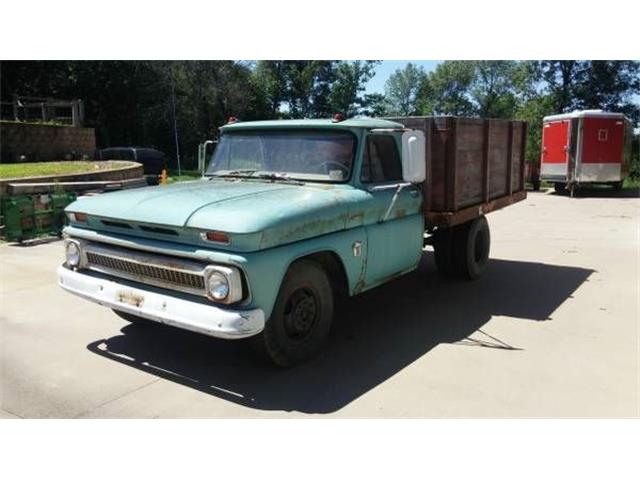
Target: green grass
x,y
20,170
632,182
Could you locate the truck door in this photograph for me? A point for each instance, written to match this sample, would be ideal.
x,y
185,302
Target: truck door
x,y
554,164
394,244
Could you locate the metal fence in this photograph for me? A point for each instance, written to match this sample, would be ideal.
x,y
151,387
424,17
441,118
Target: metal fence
x,y
43,110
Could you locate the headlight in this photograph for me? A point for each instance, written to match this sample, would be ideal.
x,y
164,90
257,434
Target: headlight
x,y
72,251
218,286
223,284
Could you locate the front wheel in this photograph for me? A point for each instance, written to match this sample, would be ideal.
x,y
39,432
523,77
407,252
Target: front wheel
x,y
301,319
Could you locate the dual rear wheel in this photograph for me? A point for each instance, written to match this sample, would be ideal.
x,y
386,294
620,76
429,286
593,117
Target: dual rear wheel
x,y
463,251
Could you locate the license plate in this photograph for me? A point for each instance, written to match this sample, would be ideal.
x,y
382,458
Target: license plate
x,y
130,298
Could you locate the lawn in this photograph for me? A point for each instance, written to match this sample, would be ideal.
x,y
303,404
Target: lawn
x,y
20,170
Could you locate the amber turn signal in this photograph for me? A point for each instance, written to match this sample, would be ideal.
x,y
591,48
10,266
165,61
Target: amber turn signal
x,y
218,237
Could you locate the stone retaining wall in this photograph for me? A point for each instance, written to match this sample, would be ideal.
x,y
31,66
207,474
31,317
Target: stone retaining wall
x,y
44,142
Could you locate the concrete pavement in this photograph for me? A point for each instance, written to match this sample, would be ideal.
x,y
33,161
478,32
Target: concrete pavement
x,y
551,330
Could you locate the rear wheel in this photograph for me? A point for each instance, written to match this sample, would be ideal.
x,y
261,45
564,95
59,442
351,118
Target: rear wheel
x,y
471,247
443,251
301,319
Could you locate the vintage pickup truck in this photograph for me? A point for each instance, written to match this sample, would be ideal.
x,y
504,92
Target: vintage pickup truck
x,y
288,215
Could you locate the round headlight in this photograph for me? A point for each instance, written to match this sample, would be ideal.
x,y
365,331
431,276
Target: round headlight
x,y
73,254
218,286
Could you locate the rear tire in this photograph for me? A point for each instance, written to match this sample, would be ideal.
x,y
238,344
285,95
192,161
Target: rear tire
x,y
443,251
472,244
129,317
301,319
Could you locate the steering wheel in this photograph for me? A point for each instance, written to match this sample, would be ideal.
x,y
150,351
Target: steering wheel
x,y
328,163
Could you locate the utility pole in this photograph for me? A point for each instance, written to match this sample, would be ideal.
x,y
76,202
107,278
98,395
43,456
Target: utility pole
x,y
175,122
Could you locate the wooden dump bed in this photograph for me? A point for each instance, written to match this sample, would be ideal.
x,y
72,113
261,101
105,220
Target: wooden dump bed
x,y
474,166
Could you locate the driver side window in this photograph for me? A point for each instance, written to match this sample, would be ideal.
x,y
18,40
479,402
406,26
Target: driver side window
x,y
381,161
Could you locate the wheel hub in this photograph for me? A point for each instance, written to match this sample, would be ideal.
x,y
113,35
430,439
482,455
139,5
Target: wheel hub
x,y
300,314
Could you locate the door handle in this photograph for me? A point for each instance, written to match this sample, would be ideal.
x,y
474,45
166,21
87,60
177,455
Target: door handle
x,y
414,193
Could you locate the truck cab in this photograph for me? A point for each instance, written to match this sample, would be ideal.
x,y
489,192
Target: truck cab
x,y
288,214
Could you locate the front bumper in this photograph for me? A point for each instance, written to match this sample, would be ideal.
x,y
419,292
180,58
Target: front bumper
x,y
188,315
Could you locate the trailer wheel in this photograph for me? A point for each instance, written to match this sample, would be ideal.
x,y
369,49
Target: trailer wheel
x,y
301,319
559,187
472,244
443,251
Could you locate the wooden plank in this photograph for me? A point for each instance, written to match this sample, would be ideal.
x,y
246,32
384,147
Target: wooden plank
x,y
523,147
510,160
450,168
486,127
426,205
450,219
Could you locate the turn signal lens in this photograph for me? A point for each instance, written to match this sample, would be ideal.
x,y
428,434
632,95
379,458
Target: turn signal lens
x,y
218,237
77,217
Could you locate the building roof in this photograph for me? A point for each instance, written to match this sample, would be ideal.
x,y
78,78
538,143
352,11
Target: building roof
x,y
318,123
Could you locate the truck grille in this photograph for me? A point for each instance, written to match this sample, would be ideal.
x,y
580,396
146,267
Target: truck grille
x,y
158,270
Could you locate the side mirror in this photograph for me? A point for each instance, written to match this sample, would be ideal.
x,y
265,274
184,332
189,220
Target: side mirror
x,y
202,156
414,164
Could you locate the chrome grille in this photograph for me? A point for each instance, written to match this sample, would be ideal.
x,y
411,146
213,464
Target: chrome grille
x,y
153,269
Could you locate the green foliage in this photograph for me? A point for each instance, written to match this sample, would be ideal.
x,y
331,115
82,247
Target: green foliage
x,y
346,94
533,110
402,89
130,102
446,90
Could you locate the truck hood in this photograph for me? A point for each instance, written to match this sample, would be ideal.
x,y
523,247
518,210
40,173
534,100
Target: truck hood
x,y
256,214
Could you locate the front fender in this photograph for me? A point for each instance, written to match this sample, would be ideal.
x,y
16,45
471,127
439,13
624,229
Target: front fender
x,y
265,269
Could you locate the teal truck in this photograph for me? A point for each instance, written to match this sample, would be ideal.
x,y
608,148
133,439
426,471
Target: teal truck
x,y
290,214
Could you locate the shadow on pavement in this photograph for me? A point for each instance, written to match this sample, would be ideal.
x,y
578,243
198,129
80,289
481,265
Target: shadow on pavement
x,y
375,336
596,191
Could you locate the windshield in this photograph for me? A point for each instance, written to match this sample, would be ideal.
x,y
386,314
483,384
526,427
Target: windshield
x,y
300,155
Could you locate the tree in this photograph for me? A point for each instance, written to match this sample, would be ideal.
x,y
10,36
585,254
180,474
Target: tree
x,y
349,85
560,77
446,90
402,89
492,88
609,85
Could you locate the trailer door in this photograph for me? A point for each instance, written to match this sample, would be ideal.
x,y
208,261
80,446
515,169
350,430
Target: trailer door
x,y
554,164
602,150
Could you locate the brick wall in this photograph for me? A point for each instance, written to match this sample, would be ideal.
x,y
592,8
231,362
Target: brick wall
x,y
44,142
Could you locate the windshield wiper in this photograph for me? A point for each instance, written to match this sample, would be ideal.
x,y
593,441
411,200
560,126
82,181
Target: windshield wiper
x,y
277,176
241,172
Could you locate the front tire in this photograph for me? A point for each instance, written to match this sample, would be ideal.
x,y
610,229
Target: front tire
x,y
301,319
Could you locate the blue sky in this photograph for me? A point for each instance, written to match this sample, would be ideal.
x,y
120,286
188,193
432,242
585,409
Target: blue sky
x,y
387,67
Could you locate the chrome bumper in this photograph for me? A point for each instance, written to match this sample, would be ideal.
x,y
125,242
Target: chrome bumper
x,y
196,317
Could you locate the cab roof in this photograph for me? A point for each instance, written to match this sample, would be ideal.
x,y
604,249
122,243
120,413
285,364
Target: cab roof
x,y
367,123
